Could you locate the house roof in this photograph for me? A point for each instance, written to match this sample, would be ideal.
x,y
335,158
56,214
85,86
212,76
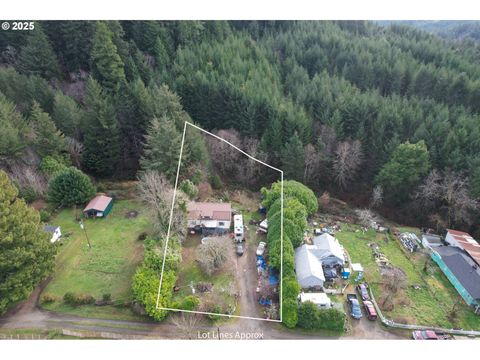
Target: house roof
x,y
326,245
432,238
462,267
467,243
98,203
50,228
308,268
209,211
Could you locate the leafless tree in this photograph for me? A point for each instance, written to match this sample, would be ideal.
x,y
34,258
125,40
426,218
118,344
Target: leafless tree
x,y
377,196
186,324
223,156
156,191
312,163
365,217
74,148
327,138
28,177
448,191
271,311
348,157
213,254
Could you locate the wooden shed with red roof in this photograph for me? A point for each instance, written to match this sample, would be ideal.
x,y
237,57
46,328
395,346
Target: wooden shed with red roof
x,y
100,206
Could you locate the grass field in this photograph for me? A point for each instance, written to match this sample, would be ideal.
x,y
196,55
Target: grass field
x,y
106,268
429,305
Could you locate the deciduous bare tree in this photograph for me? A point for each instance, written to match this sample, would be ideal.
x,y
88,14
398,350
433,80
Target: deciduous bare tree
x,y
377,196
365,217
186,324
448,192
213,253
156,191
74,148
348,157
312,161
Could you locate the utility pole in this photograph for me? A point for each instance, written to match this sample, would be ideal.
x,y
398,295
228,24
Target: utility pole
x,y
82,226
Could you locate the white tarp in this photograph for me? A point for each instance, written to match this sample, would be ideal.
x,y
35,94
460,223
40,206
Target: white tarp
x,y
319,299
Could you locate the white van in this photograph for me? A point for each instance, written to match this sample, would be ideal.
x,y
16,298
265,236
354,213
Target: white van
x,y
238,229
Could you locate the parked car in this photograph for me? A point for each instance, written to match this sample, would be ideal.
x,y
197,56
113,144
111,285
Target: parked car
x,y
430,335
261,248
355,310
239,249
362,290
370,310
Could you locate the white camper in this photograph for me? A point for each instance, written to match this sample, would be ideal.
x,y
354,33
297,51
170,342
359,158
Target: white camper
x,y
238,228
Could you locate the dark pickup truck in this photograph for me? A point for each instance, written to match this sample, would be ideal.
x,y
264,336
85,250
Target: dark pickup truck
x,y
355,310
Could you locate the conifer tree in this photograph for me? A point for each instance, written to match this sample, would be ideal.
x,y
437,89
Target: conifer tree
x,y
37,56
101,133
26,255
106,62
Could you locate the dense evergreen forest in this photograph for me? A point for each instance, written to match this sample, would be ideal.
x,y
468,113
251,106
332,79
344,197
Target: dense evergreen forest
x,y
383,116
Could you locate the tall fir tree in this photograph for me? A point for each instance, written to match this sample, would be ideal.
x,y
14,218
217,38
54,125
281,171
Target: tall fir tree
x,y
37,56
101,134
48,140
107,65
26,255
292,158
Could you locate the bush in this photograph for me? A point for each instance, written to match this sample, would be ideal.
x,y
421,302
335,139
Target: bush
x,y
189,188
73,299
190,302
291,189
28,194
70,187
51,166
107,297
289,313
45,216
311,317
47,299
197,177
215,181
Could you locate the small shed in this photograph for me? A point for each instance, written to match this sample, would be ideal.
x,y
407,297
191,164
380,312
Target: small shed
x,y
431,240
99,206
54,231
320,299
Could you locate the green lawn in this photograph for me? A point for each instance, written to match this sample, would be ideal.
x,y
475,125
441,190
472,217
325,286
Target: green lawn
x,y
107,267
429,305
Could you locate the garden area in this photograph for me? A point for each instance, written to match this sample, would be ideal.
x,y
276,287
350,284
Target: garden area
x,y
411,289
96,282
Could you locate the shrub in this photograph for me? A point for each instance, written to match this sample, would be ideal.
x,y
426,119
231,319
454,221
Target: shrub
x,y
47,299
107,297
45,216
51,166
197,177
70,187
291,189
189,188
28,194
289,313
311,317
78,299
190,302
215,181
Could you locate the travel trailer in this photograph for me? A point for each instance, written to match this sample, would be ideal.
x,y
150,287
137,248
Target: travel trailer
x,y
238,228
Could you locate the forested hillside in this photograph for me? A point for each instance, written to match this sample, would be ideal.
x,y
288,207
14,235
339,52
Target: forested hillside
x,y
383,116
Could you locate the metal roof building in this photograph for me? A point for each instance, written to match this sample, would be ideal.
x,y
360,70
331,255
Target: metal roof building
x,y
461,271
308,268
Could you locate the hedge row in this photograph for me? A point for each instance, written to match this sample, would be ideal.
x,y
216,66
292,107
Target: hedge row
x,y
298,203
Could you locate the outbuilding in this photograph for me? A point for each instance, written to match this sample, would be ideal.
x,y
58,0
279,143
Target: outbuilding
x,y
319,298
99,207
54,231
462,271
